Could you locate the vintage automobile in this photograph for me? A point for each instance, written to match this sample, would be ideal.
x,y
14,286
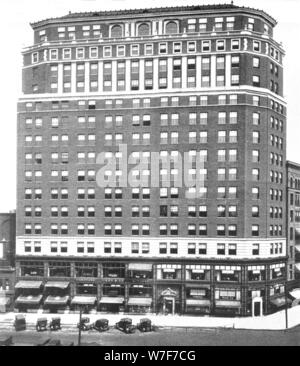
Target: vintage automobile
x,y
6,341
85,324
20,322
55,324
41,324
145,325
125,325
101,325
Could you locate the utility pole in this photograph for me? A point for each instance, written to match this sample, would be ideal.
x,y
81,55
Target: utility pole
x,y
79,333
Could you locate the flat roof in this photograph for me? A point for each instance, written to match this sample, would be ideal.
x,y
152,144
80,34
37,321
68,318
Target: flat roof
x,y
292,164
152,11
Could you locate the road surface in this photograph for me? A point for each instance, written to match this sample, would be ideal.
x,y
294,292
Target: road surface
x,y
164,337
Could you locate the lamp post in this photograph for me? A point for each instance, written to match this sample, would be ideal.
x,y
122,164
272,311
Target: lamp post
x,y
79,332
286,305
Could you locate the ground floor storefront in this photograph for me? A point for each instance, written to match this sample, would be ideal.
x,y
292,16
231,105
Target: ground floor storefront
x,y
7,281
211,288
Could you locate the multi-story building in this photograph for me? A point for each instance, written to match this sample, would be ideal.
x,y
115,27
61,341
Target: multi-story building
x,y
206,81
7,259
293,226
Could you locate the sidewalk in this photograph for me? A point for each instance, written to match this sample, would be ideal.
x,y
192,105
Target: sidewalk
x,y
270,322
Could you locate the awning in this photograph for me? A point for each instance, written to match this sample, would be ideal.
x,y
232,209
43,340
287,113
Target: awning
x,y
56,300
280,301
295,293
111,300
297,266
83,300
168,270
198,286
142,301
197,302
4,301
297,247
29,299
146,267
56,284
228,304
29,284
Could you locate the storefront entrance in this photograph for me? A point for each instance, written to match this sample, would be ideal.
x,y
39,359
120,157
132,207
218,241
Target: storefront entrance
x,y
168,300
169,306
257,306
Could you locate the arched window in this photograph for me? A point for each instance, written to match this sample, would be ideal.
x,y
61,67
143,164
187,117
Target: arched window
x,y
171,27
144,30
116,31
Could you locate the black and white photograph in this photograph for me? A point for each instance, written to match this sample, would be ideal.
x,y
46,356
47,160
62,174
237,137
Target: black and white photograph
x,y
150,175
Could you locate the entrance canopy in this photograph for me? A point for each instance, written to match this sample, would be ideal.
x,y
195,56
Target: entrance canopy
x,y
140,301
146,267
197,302
83,300
57,284
29,284
228,304
295,293
56,300
29,299
111,300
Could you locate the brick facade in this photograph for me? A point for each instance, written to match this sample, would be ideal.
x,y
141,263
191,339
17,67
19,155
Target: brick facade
x,y
158,83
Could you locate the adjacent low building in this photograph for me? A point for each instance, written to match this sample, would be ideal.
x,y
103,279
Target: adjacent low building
x,y
293,228
7,260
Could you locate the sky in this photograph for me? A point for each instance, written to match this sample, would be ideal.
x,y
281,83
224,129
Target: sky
x,y
16,33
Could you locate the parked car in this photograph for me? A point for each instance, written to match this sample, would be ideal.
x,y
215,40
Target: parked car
x,y
125,325
85,324
55,324
20,322
101,325
41,324
145,325
6,341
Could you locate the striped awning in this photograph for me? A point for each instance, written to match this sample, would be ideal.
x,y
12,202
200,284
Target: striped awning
x,y
29,284
228,304
280,301
29,299
141,301
295,293
146,267
84,300
56,300
111,300
197,302
57,284
4,300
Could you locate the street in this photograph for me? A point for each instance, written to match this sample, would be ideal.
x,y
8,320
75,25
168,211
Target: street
x,y
164,337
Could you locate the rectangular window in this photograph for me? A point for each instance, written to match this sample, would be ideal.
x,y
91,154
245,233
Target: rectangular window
x,y
220,249
232,249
